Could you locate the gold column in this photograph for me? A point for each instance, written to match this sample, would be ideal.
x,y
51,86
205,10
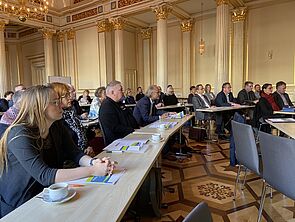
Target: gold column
x,y
186,28
118,26
162,12
3,68
60,37
71,57
48,51
238,51
105,51
222,43
146,35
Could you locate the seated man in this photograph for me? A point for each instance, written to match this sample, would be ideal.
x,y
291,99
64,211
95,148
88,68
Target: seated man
x,y
192,94
246,96
145,111
116,120
224,98
280,96
200,101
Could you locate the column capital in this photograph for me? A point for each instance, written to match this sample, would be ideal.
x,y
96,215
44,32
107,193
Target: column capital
x,y
47,33
222,2
239,14
186,26
60,36
71,34
146,33
162,11
3,22
104,26
118,23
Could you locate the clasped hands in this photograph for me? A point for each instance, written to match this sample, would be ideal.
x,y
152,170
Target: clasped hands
x,y
103,167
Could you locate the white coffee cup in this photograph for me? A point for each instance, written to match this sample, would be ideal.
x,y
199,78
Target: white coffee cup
x,y
156,137
56,191
162,126
178,104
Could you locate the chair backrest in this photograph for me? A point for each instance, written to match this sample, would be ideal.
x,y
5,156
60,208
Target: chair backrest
x,y
200,213
246,149
102,132
278,155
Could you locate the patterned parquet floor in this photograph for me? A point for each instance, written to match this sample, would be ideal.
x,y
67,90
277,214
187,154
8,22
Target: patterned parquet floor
x,y
207,177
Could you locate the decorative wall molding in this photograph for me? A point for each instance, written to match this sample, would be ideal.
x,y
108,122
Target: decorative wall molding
x,y
118,23
71,34
146,33
123,3
85,14
104,26
27,32
239,14
222,2
186,26
47,33
162,11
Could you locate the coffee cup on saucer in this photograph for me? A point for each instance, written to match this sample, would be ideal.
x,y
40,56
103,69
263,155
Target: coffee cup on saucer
x,y
156,137
56,192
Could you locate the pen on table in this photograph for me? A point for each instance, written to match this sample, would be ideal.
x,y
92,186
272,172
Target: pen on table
x,y
114,151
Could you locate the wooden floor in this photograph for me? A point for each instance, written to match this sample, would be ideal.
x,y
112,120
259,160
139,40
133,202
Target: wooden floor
x,y
208,177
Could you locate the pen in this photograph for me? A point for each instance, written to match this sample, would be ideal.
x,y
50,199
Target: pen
x,y
114,151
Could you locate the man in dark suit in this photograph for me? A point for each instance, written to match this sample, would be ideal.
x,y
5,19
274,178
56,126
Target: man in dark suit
x,y
224,98
280,96
246,96
200,101
116,120
145,111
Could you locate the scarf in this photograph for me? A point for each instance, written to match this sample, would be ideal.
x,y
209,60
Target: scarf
x,y
271,101
75,125
9,116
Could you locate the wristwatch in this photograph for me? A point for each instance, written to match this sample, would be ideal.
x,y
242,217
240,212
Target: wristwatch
x,y
91,161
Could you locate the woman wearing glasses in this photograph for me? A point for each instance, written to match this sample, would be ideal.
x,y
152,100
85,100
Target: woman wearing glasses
x,y
33,148
71,119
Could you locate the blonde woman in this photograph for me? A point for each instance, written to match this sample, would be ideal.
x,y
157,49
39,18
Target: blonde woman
x,y
33,148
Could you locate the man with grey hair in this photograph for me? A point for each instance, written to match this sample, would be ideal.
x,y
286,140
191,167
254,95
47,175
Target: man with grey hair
x,y
116,120
145,111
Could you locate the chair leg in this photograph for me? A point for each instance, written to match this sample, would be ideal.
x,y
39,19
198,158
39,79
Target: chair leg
x,y
263,194
237,181
245,175
270,192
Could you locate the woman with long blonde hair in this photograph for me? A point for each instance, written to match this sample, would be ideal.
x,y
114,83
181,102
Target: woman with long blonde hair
x,y
33,148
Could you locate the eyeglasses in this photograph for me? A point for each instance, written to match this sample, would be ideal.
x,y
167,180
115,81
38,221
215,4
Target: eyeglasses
x,y
55,102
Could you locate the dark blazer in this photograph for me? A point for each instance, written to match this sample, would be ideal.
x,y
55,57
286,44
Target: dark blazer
x,y
199,104
129,100
170,100
3,105
221,100
139,96
279,101
190,98
77,108
262,111
246,98
142,112
116,120
89,100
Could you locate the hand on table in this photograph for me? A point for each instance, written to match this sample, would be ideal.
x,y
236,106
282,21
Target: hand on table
x,y
103,166
84,115
159,105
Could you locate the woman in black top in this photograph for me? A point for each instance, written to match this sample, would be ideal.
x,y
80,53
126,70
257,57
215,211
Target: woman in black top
x,y
33,148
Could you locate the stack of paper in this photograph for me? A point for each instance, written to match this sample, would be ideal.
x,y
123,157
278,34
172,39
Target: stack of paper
x,y
127,145
179,115
282,120
158,123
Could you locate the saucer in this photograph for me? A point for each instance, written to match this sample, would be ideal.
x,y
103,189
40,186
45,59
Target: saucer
x,y
70,195
153,141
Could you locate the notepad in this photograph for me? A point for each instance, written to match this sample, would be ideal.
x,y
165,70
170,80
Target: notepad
x,y
282,120
179,115
156,125
127,145
110,180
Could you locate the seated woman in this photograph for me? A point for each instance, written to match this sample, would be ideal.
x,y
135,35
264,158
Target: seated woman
x,y
210,95
85,98
265,107
100,95
71,119
33,148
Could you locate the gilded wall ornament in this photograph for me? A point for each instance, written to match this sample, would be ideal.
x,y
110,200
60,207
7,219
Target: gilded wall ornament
x,y
118,23
222,2
104,26
47,33
60,36
123,3
186,26
239,14
146,33
162,11
71,34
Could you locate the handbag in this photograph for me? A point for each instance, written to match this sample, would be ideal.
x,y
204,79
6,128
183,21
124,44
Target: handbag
x,y
197,133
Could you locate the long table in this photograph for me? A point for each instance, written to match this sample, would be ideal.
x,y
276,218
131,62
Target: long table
x,y
176,106
222,109
287,128
101,202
